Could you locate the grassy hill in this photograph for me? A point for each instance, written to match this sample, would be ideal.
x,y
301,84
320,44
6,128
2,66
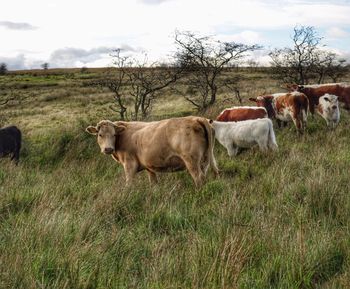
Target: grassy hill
x,y
277,220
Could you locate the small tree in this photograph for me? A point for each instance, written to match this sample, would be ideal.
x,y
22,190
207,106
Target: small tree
x,y
45,66
204,60
136,84
306,61
84,70
252,64
337,70
3,68
329,65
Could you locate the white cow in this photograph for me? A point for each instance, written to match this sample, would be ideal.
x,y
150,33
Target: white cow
x,y
245,134
328,108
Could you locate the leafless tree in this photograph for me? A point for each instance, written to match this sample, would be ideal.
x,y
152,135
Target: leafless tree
x,y
252,64
45,66
329,65
204,60
306,61
337,70
3,68
136,84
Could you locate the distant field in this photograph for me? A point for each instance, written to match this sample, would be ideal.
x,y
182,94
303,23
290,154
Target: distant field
x,y
278,220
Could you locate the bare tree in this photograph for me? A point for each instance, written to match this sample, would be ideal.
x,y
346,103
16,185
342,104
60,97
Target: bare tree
x,y
45,66
204,60
306,61
252,64
329,65
337,70
136,84
3,68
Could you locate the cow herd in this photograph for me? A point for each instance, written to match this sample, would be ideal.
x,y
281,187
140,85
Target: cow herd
x,y
187,143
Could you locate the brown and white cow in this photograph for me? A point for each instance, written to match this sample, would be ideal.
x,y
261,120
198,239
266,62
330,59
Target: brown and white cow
x,y
239,113
160,146
314,92
328,108
286,107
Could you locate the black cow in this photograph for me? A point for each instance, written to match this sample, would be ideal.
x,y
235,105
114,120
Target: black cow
x,y
10,142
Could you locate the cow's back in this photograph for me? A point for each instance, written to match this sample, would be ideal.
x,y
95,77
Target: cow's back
x,y
313,93
10,140
158,145
242,113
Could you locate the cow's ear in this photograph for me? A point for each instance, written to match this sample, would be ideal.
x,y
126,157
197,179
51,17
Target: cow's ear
x,y
288,86
252,99
119,128
92,130
292,87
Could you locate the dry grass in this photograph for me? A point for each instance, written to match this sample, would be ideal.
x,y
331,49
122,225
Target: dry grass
x,y
270,221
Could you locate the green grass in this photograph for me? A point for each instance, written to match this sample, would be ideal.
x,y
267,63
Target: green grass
x,y
276,220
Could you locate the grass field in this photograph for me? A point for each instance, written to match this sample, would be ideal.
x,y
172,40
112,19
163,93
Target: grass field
x,y
277,220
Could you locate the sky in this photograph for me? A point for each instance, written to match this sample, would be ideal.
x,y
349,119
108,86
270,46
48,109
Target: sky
x,y
77,33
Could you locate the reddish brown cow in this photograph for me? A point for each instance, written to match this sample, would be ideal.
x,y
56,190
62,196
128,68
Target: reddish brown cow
x,y
286,107
239,113
314,92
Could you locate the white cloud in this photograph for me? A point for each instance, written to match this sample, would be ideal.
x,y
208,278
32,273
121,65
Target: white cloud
x,y
336,32
154,2
76,57
17,25
111,23
15,62
247,37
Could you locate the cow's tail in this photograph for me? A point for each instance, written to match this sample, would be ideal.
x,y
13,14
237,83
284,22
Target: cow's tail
x,y
304,111
272,144
302,106
210,135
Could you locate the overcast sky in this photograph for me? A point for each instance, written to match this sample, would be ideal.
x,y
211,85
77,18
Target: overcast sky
x,y
76,33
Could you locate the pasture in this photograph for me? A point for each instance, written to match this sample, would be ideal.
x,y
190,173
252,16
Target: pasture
x,y
276,220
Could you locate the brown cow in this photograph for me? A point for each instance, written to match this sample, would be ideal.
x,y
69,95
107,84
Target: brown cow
x,y
159,146
314,92
285,107
239,113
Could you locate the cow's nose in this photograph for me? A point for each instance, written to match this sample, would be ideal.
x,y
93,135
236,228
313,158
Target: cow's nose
x,y
334,107
108,151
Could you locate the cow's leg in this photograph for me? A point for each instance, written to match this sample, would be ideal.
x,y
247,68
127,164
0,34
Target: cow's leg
x,y
298,123
15,157
130,169
194,168
312,106
263,144
279,123
232,150
152,177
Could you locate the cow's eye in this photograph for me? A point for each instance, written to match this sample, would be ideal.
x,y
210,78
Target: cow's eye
x,y
100,135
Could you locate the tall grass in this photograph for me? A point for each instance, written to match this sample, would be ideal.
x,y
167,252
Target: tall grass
x,y
276,220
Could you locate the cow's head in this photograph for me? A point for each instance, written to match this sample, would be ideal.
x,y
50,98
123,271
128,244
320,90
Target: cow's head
x,y
330,101
107,133
329,108
293,87
265,101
